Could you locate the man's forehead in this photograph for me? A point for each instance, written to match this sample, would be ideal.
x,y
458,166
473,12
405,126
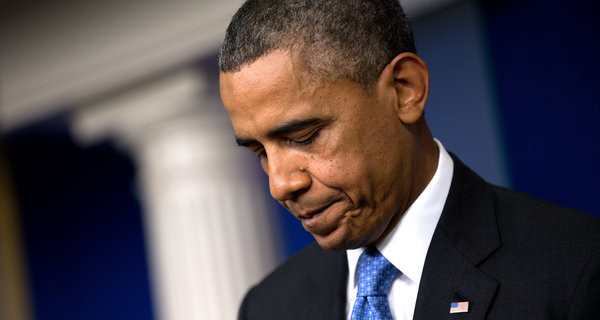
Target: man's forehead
x,y
278,71
268,70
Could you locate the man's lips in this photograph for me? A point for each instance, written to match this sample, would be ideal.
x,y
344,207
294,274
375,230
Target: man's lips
x,y
311,217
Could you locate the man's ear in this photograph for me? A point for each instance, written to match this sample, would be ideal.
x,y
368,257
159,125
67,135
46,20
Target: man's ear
x,y
408,76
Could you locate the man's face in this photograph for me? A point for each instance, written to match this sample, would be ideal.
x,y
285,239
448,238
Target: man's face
x,y
338,159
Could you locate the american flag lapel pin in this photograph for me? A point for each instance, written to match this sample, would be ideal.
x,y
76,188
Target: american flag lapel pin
x,y
459,307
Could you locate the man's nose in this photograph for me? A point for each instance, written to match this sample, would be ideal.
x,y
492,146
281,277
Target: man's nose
x,y
287,178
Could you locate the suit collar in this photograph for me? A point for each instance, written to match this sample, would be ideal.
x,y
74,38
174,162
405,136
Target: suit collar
x,y
466,235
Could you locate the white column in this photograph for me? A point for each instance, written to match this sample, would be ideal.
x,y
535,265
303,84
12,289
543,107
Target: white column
x,y
206,219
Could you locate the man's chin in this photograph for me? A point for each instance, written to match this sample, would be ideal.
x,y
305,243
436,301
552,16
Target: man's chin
x,y
335,241
328,245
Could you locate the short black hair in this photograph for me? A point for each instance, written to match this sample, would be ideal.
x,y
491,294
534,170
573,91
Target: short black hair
x,y
332,39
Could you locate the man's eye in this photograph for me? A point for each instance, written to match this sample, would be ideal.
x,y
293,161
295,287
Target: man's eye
x,y
308,140
262,154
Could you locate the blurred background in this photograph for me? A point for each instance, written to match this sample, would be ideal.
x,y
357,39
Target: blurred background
x,y
123,195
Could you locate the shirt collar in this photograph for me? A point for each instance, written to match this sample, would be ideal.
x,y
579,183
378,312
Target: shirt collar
x,y
407,244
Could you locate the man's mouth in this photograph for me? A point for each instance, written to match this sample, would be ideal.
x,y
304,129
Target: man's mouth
x,y
311,218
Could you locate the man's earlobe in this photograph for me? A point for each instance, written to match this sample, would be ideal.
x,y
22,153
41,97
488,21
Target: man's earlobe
x,y
409,76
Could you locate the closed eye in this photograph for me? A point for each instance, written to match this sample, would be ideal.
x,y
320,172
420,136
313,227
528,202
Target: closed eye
x,y
308,140
262,154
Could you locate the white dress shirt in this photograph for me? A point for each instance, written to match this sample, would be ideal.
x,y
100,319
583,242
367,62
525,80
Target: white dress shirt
x,y
407,244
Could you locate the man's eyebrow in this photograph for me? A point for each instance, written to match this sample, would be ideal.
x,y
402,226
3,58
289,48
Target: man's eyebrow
x,y
288,127
293,126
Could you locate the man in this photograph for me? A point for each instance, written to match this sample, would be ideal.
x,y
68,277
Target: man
x,y
330,96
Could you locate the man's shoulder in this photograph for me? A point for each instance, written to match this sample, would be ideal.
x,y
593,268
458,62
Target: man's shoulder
x,y
298,267
521,212
549,254
523,248
304,282
517,213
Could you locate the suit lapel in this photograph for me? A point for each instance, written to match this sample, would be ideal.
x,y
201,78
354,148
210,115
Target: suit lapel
x,y
466,235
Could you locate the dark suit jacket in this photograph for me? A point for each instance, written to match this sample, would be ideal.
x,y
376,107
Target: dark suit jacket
x,y
510,255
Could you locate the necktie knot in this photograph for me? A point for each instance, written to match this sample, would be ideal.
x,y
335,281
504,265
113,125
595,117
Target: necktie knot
x,y
375,277
375,274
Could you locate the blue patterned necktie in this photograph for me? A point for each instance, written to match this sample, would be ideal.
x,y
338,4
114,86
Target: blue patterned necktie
x,y
375,277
